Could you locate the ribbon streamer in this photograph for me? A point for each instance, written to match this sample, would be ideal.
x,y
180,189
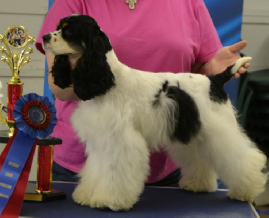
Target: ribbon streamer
x,y
11,208
35,118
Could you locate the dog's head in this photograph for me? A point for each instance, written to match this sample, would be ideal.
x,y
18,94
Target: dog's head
x,y
74,34
80,34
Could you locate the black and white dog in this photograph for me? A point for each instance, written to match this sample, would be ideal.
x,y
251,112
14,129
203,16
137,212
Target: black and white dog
x,y
124,113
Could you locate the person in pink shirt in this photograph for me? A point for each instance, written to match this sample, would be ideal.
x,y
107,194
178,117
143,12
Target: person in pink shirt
x,y
158,36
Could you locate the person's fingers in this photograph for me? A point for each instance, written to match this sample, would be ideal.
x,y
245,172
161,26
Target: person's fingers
x,y
242,70
246,65
236,75
73,59
237,46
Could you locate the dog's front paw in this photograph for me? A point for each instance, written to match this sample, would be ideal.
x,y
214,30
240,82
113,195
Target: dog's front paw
x,y
81,195
101,199
195,185
109,202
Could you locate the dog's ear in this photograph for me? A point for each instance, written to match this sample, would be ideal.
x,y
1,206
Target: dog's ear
x,y
61,71
92,75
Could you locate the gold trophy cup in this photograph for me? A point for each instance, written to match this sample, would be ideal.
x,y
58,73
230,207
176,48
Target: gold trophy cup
x,y
16,37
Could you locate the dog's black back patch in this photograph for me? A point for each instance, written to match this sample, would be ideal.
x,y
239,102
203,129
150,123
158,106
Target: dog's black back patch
x,y
156,102
186,116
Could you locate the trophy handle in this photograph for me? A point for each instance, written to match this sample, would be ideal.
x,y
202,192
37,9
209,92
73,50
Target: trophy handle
x,y
2,119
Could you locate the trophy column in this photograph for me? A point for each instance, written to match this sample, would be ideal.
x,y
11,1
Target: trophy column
x,y
14,93
42,189
44,169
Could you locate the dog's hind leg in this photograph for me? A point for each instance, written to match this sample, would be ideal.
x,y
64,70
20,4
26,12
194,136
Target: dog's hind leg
x,y
196,174
234,157
115,171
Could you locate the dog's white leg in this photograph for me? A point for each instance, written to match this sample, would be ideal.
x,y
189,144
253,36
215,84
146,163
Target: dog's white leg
x,y
197,175
115,171
234,157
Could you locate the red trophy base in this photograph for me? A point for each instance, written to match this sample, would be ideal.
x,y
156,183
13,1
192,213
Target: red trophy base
x,y
32,195
41,190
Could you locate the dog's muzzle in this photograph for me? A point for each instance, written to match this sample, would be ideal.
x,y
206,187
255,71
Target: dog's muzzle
x,y
46,38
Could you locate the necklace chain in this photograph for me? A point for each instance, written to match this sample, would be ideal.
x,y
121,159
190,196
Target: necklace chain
x,y
131,3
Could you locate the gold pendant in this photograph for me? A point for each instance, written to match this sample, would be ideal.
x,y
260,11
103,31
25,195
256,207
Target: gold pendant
x,y
131,3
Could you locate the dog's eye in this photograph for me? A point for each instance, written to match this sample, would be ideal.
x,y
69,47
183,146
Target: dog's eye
x,y
68,32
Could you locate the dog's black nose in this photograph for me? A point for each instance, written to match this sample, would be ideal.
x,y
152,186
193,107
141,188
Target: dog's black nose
x,y
46,38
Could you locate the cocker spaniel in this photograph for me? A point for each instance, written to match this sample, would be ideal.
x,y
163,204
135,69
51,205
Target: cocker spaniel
x,y
124,113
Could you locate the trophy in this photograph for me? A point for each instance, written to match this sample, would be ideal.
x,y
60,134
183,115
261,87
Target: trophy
x,y
17,38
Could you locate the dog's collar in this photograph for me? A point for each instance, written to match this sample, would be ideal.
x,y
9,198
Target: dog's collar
x,y
131,3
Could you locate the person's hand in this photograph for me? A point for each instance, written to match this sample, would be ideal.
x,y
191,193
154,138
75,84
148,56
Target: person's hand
x,y
225,57
73,59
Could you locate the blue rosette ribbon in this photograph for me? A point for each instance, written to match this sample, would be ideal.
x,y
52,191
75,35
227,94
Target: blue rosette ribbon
x,y
35,117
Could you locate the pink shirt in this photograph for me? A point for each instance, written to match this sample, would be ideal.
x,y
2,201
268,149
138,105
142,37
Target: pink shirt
x,y
158,36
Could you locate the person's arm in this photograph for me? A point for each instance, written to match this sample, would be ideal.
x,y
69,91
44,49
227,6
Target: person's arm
x,y
225,57
66,94
212,57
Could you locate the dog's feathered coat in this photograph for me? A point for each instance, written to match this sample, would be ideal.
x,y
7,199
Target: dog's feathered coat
x,y
126,112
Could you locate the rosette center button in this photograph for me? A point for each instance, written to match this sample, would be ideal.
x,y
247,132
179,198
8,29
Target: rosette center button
x,y
36,115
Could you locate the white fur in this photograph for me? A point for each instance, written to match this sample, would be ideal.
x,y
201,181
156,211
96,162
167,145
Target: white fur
x,y
57,45
121,127
240,63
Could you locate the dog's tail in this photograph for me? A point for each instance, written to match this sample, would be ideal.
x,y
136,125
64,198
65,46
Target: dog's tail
x,y
217,92
222,78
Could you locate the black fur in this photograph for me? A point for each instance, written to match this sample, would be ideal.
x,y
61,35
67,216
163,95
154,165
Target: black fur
x,y
92,66
61,71
156,102
186,117
217,82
